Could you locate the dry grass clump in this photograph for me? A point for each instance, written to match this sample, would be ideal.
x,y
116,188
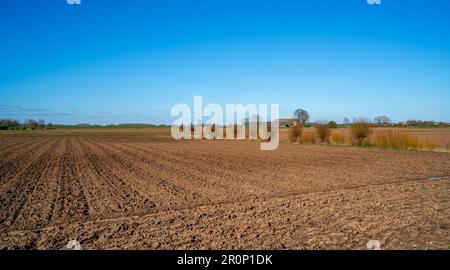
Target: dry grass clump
x,y
323,131
295,133
338,138
360,130
308,138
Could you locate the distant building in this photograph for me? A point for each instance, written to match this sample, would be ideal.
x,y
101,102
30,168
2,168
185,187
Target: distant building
x,y
286,122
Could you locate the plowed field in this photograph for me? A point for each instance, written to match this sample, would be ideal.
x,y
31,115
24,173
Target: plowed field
x,y
157,193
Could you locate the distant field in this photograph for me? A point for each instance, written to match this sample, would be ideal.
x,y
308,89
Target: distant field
x,y
440,135
129,131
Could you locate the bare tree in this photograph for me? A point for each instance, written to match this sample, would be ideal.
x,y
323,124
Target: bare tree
x,y
346,121
302,116
382,120
31,123
41,122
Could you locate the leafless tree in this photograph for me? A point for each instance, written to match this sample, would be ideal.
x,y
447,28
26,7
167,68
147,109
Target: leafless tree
x,y
302,116
382,120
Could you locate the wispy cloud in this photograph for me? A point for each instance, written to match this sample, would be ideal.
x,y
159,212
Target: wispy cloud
x,y
61,117
17,108
20,113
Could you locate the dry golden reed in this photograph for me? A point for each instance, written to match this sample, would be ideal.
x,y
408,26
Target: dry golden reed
x,y
393,139
339,138
308,138
429,144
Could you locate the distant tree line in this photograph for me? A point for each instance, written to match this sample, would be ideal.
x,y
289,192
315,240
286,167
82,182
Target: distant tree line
x,y
302,119
419,123
11,124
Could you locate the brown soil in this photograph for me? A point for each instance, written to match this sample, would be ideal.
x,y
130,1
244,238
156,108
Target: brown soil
x,y
156,193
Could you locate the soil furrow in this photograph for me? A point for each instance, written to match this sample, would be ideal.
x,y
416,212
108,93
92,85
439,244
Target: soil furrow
x,y
151,182
71,204
15,199
12,164
126,199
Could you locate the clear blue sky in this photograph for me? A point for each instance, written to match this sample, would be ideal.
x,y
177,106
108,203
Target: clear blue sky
x,y
115,61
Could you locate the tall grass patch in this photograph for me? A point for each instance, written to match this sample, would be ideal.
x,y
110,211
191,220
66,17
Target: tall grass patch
x,y
308,138
339,138
393,139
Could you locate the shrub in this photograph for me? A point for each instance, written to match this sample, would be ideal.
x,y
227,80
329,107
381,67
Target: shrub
x,y
323,131
295,133
338,138
332,124
360,130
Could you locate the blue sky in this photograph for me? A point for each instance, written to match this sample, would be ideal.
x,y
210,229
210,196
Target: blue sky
x,y
116,61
